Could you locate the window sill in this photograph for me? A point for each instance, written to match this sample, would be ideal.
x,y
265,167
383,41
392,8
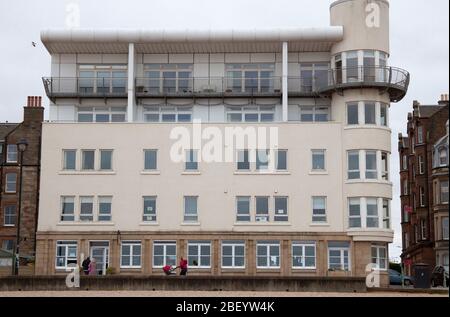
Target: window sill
x,y
319,173
151,173
273,268
323,224
368,181
262,224
262,173
367,127
79,224
191,173
9,226
188,224
86,173
131,268
149,224
305,269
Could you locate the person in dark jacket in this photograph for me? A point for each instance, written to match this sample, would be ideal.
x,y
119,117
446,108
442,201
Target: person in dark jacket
x,y
183,266
85,265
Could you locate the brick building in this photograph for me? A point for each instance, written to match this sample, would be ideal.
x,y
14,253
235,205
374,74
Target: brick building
x,y
424,186
10,161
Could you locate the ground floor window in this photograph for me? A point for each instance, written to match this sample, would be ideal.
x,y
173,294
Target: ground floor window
x,y
233,254
8,245
268,254
131,254
338,256
379,256
303,255
199,254
66,254
164,253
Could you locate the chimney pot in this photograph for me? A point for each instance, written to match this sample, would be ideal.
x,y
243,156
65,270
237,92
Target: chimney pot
x,y
34,101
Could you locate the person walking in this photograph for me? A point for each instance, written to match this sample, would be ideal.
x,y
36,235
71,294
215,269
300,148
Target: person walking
x,y
85,265
92,267
183,266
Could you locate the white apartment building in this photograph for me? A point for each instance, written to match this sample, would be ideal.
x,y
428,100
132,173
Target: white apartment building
x,y
110,188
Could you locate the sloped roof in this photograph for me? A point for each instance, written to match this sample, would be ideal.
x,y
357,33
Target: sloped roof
x,y
6,128
428,111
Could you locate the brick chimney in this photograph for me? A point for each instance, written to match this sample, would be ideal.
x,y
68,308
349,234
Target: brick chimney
x,y
33,112
444,100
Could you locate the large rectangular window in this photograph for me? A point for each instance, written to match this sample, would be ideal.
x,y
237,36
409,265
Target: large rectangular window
x,y
167,113
281,160
11,183
10,216
199,254
88,159
281,209
422,196
319,213
262,209
379,256
314,113
353,165
352,67
371,165
384,115
149,209
11,153
339,256
318,160
86,208
445,228
130,256
101,114
243,208
385,166
190,209
420,135
369,113
233,254
106,160
372,213
104,208
243,162
352,114
150,160
268,254
67,208
250,78
191,160
303,255
354,213
66,254
421,165
168,78
69,157
262,159
250,114
164,253
386,214
444,192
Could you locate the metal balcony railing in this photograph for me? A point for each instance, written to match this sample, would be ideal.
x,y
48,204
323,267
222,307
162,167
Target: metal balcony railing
x,y
60,87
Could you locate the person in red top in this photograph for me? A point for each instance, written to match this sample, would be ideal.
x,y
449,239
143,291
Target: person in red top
x,y
183,266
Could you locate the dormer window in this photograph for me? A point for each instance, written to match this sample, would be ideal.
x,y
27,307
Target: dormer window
x,y
443,156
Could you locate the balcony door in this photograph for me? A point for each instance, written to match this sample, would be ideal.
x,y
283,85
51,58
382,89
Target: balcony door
x,y
102,79
100,252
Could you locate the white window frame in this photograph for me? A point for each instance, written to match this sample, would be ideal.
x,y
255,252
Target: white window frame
x,y
151,213
342,257
9,183
374,217
104,200
277,152
65,152
160,111
233,246
422,196
109,111
303,246
240,153
385,167
259,217
352,104
419,135
313,199
12,156
405,163
354,153
165,255
445,231
192,159
378,259
188,214
441,192
421,165
249,199
132,244
277,216
198,256
66,245
375,171
360,216
386,213
82,160
100,160
267,246
63,198
92,214
318,152
9,216
156,159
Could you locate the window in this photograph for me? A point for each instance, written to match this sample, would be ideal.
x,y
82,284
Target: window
x,y
150,159
86,208
352,66
11,183
102,114
164,253
250,78
369,113
130,256
233,254
313,76
88,159
379,256
406,240
166,113
262,209
67,208
372,213
444,192
371,165
421,165
191,160
262,159
106,160
385,166
314,113
443,156
405,187
417,233
10,216
369,66
353,165
338,256
384,115
420,135
149,209
8,245
352,114
190,209
66,254
354,213
69,163
281,209
267,254
199,254
386,214
102,78
319,213
405,163
243,162
445,228
281,160
318,160
422,196
11,153
104,208
423,229
303,255
250,114
168,78
243,208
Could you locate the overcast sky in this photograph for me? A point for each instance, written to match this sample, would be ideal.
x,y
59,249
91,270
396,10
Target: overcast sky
x,y
419,44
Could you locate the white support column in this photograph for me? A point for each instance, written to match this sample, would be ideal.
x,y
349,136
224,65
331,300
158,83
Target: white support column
x,y
131,81
285,81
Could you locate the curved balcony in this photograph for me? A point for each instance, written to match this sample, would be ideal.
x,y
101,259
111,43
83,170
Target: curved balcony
x,y
394,81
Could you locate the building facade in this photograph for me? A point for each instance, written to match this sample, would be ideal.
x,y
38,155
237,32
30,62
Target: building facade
x,y
315,202
424,186
11,199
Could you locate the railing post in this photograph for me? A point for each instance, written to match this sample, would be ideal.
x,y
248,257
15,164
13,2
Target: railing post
x,y
390,75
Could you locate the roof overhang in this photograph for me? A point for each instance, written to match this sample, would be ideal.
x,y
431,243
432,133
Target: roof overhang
x,y
92,41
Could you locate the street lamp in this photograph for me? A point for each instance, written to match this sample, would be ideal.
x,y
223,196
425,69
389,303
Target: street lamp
x,y
22,147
